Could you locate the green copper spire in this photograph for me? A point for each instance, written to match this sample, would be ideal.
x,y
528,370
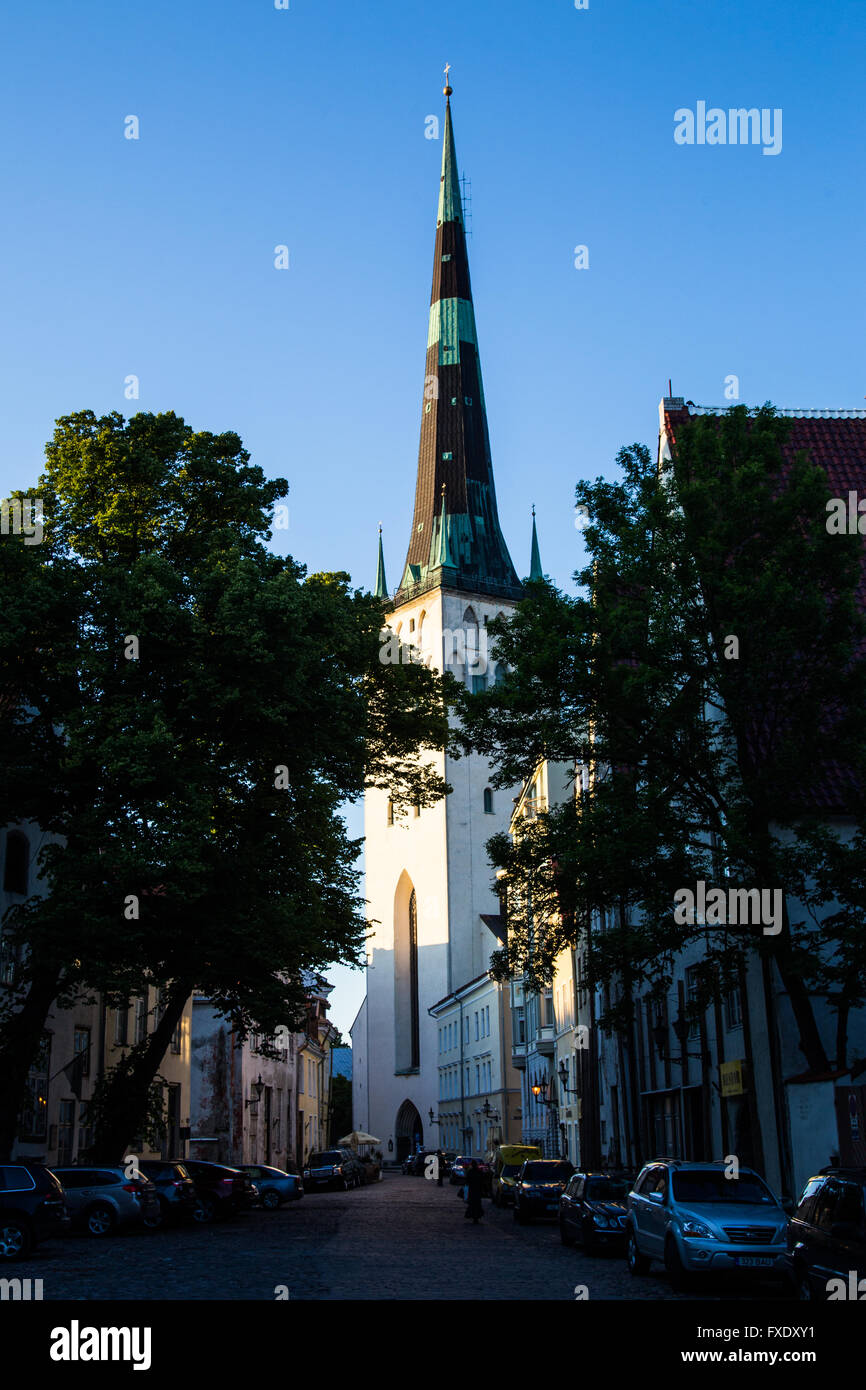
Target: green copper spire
x,y
456,538
450,202
535,570
381,589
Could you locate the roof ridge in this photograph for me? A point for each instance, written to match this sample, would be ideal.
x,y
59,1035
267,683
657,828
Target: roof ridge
x,y
806,413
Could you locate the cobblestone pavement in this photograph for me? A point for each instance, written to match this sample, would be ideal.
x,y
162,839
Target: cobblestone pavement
x,y
402,1238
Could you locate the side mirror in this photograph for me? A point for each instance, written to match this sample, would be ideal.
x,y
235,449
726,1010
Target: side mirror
x,y
655,1197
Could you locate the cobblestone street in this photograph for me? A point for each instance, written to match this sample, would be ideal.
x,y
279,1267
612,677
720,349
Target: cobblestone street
x,y
402,1238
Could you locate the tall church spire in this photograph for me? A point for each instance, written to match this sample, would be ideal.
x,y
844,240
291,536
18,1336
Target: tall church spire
x,y
535,570
456,539
381,589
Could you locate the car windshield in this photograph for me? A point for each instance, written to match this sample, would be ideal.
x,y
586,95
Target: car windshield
x,y
547,1172
711,1185
324,1159
606,1190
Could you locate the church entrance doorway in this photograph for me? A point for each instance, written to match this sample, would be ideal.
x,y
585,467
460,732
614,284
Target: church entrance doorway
x,y
408,1130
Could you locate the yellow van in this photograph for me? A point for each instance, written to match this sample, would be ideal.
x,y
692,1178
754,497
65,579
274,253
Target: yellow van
x,y
506,1164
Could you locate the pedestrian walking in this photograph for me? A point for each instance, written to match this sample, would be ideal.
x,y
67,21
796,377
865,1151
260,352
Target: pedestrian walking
x,y
473,1181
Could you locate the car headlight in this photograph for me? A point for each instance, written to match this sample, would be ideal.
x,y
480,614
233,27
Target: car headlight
x,y
697,1230
599,1220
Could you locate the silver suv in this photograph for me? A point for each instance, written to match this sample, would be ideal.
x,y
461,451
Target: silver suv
x,y
696,1219
103,1200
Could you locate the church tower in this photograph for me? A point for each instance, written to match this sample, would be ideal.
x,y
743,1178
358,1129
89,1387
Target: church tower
x,y
428,878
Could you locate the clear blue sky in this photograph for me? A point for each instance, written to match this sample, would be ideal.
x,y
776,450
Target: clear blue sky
x,y
306,127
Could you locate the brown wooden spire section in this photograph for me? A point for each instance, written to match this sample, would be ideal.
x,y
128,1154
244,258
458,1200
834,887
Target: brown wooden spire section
x,y
456,540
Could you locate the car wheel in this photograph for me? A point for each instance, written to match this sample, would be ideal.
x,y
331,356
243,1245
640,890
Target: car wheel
x,y
204,1211
637,1263
673,1264
100,1220
152,1220
270,1199
15,1239
564,1234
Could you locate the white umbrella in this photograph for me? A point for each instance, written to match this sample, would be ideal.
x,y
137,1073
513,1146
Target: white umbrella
x,y
358,1137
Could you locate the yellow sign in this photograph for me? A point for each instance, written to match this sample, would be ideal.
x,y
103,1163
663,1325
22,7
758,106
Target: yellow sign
x,y
733,1077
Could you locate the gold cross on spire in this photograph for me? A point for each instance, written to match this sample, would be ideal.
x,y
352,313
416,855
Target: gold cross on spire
x,y
447,89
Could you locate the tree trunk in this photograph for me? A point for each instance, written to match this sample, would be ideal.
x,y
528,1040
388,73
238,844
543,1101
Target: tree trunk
x,y
126,1100
20,1037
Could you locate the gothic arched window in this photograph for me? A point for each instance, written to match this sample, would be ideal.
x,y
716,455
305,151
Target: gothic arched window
x,y
413,979
488,801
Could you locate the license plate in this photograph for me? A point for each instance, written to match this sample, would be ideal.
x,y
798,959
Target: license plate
x,y
755,1261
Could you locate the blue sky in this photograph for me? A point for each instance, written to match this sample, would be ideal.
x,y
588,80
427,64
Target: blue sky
x,y
306,127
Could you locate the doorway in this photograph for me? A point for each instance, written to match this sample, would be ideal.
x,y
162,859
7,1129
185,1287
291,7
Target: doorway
x,y
408,1130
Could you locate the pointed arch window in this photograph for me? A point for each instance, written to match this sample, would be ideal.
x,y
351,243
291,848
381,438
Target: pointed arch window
x,y
415,1018
488,802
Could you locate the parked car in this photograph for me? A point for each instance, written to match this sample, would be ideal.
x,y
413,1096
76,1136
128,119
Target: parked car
x,y
222,1191
539,1186
697,1220
175,1190
593,1210
418,1163
458,1170
32,1208
826,1236
460,1167
505,1168
332,1168
102,1200
275,1185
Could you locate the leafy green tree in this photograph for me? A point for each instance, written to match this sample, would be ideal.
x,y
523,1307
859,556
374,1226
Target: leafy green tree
x,y
341,1107
702,750
185,715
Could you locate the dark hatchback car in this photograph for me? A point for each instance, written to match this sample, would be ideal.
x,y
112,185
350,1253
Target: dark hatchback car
x,y
826,1237
175,1190
32,1208
539,1188
593,1210
222,1191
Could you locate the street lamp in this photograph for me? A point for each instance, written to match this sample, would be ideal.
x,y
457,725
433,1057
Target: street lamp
x,y
539,1090
681,1031
563,1079
257,1087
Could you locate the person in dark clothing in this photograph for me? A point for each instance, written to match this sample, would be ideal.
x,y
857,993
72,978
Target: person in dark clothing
x,y
473,1182
440,1167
